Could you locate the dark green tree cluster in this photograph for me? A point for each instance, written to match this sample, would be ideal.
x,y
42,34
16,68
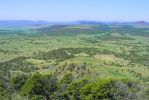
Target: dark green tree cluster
x,y
48,87
40,85
103,89
67,53
18,63
18,80
134,56
63,54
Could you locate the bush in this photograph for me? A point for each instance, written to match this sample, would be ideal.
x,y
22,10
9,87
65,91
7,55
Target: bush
x,y
17,81
39,84
73,90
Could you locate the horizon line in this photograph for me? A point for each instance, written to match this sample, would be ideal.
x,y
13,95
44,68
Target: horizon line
x,y
73,20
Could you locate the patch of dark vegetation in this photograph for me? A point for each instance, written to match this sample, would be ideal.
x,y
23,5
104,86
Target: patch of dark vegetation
x,y
134,56
94,29
49,87
67,53
7,32
17,64
128,29
59,54
63,54
109,37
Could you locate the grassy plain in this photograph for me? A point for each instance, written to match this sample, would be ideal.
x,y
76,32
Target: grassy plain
x,y
101,65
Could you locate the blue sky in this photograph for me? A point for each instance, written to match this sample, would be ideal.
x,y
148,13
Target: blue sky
x,y
71,10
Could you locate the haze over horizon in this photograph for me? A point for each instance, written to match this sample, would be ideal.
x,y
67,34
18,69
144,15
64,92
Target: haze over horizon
x,y
66,10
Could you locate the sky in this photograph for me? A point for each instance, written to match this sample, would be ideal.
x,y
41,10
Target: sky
x,y
71,10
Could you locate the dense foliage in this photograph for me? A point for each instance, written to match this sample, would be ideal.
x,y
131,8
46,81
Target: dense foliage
x,y
48,87
18,63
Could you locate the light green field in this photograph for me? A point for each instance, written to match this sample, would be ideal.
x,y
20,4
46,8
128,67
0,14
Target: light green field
x,y
13,46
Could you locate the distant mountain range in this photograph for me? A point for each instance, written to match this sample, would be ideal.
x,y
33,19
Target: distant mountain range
x,y
21,22
141,23
39,24
11,24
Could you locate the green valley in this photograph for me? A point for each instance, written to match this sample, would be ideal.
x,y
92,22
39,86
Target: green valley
x,y
75,62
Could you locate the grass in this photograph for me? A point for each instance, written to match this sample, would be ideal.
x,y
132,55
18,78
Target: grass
x,y
101,64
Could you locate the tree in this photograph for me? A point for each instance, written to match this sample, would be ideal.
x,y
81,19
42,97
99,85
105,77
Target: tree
x,y
86,92
73,90
17,81
67,79
62,86
99,90
40,84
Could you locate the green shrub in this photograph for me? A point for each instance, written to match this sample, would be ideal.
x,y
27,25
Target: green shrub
x,y
40,84
17,81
